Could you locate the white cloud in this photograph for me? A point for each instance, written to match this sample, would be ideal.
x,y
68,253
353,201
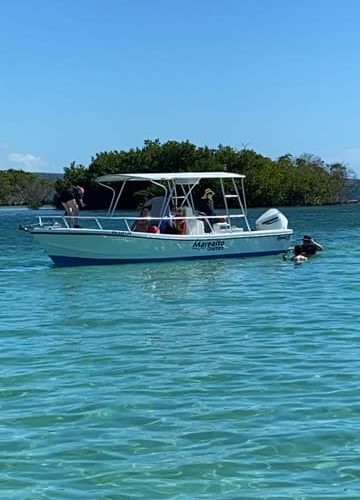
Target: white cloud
x,y
27,161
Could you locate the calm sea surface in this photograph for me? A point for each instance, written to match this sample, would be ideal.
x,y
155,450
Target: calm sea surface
x,y
235,379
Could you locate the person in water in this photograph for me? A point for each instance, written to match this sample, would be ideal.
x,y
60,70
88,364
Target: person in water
x,y
310,246
71,199
298,254
306,249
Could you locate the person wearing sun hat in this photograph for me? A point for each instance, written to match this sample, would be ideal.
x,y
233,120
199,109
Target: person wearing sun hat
x,y
71,199
207,202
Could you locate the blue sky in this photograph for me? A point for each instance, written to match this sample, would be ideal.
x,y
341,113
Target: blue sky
x,y
83,76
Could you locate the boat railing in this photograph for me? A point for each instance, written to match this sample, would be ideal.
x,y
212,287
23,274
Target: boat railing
x,y
127,223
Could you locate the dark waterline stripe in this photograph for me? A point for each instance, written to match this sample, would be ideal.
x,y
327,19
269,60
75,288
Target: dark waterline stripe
x,y
78,261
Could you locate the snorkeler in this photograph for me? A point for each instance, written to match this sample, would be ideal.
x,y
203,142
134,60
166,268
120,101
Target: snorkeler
x,y
310,246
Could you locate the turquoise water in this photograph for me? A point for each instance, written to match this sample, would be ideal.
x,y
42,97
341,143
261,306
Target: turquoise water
x,y
215,380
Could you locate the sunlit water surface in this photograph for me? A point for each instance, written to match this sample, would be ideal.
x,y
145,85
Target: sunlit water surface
x,y
219,379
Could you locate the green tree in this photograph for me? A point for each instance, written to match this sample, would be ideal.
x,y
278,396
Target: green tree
x,y
303,180
74,175
24,188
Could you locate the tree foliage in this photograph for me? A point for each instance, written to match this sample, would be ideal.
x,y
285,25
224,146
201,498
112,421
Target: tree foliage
x,y
24,188
303,180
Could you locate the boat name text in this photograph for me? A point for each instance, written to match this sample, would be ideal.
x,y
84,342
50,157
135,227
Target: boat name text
x,y
208,245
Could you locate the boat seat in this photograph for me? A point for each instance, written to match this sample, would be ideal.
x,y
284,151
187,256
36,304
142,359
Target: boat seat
x,y
224,227
193,226
221,227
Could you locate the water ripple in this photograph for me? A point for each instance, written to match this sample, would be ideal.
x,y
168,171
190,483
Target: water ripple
x,y
212,380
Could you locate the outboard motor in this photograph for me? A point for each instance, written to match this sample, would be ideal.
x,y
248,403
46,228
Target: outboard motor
x,y
272,219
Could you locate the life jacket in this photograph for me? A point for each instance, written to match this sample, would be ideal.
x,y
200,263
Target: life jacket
x,y
153,229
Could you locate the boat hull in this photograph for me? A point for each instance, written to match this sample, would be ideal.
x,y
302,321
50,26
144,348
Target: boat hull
x,y
85,247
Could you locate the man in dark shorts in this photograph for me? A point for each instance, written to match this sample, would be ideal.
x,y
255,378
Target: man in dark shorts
x,y
71,199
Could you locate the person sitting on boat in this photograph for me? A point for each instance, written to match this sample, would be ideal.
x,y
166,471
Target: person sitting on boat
x,y
180,222
141,225
298,254
169,225
71,199
310,246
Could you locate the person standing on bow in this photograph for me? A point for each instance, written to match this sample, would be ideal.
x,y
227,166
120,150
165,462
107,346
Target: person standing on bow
x,y
71,199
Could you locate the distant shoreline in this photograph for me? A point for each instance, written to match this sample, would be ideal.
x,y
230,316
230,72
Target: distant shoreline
x,y
25,207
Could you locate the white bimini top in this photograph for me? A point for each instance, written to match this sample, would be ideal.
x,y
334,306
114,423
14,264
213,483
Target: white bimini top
x,y
178,177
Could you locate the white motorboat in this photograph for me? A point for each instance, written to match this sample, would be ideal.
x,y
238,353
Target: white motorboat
x,y
173,229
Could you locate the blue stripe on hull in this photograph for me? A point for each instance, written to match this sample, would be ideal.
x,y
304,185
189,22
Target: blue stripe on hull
x,y
76,261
